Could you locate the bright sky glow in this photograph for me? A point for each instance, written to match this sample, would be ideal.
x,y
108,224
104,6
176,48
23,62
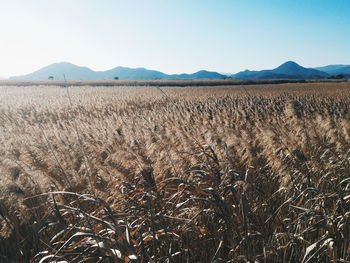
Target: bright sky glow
x,y
172,36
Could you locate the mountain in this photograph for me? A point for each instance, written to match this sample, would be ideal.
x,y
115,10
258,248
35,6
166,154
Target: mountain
x,y
336,69
202,74
288,70
132,73
292,68
58,71
71,71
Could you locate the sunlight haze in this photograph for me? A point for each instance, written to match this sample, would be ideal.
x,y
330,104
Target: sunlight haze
x,y
172,36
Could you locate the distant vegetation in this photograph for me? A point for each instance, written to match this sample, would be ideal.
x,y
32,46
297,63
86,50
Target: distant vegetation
x,y
163,83
198,174
339,76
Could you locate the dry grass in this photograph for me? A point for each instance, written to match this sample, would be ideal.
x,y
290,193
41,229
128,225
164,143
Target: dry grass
x,y
204,174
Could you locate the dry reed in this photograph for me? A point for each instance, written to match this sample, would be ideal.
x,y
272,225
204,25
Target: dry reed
x,y
205,174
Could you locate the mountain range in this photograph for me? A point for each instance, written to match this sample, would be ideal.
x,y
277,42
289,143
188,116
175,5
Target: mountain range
x,y
291,70
71,71
336,69
288,70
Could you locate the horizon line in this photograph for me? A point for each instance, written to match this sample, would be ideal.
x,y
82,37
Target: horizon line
x,y
159,70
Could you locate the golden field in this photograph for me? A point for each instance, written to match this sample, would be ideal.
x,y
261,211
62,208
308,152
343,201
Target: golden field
x,y
253,173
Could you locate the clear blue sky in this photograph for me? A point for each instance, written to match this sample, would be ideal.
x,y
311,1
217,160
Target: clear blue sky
x,y
173,36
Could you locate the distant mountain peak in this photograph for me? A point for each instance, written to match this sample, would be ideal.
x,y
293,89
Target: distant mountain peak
x,y
290,62
289,65
287,70
62,64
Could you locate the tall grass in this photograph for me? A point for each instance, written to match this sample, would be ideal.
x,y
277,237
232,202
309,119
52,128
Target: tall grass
x,y
207,174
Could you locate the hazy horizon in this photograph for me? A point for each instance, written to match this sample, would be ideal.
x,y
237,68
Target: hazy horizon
x,y
173,37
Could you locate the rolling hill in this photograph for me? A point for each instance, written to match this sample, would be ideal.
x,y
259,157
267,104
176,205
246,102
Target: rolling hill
x,y
58,70
71,71
288,70
336,69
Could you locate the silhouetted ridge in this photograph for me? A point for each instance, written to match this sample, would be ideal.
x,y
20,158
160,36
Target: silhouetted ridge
x,y
71,71
334,70
288,70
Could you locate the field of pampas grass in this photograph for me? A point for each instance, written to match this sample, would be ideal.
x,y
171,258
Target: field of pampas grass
x,y
175,174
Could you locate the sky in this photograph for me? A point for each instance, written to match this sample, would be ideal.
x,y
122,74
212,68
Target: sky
x,y
173,36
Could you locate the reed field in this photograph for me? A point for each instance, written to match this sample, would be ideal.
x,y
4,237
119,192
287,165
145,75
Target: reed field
x,y
253,173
